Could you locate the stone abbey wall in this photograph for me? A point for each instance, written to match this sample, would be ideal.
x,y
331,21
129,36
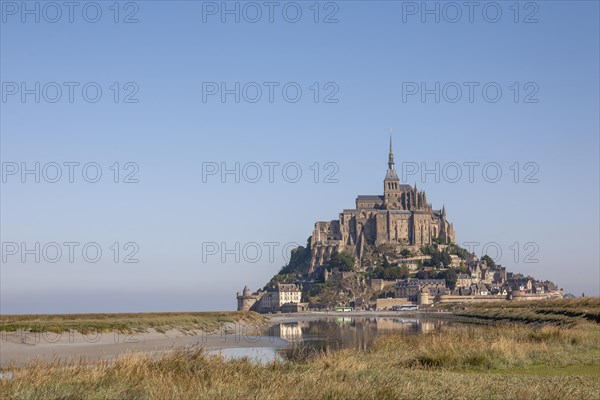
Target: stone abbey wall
x,y
400,216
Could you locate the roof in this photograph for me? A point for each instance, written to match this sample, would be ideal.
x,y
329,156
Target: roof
x,y
369,197
287,287
418,282
391,174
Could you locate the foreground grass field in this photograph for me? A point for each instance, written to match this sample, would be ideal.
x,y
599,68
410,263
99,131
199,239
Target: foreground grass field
x,y
478,362
504,361
129,322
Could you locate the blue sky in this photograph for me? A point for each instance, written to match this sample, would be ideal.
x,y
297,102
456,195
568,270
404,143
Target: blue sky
x,y
366,61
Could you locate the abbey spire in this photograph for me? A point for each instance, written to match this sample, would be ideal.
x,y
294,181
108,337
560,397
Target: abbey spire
x,y
391,156
391,174
391,183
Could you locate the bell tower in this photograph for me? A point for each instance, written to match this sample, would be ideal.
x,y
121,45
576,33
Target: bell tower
x,y
391,183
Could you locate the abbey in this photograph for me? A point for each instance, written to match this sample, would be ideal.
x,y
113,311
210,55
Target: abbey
x,y
401,216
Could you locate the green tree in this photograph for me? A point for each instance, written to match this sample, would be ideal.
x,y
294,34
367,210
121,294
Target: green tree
x,y
489,261
422,274
377,273
343,261
280,278
404,272
440,257
386,263
395,272
459,251
446,259
449,276
428,250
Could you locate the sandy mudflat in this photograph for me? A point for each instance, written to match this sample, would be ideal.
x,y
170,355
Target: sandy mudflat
x,y
19,348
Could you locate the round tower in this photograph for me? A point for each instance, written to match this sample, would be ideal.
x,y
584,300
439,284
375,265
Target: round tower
x,y
423,297
246,300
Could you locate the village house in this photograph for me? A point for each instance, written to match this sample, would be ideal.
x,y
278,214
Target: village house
x,y
481,272
498,291
464,280
410,288
520,283
284,294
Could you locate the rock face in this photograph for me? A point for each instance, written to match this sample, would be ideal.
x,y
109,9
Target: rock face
x,y
401,216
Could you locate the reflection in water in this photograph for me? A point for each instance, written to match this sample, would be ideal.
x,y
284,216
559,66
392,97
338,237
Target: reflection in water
x,y
259,355
292,332
334,333
324,334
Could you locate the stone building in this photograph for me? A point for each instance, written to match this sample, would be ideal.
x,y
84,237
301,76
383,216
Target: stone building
x,y
288,295
464,280
481,272
248,301
400,216
283,294
410,288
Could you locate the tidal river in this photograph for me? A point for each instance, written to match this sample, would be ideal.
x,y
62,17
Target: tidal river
x,y
294,336
290,336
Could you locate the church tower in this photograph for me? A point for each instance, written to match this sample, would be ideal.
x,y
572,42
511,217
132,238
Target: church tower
x,y
391,183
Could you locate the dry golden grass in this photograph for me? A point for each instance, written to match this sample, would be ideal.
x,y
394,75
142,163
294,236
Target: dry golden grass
x,y
474,362
561,311
127,322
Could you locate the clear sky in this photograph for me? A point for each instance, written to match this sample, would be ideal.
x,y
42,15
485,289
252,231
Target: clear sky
x,y
371,68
